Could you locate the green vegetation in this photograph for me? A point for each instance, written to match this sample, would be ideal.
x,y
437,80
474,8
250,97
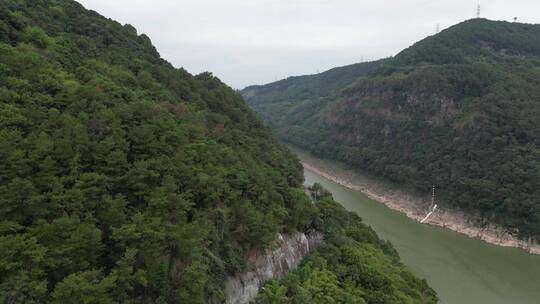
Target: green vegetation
x,y
123,179
459,110
275,100
297,88
353,266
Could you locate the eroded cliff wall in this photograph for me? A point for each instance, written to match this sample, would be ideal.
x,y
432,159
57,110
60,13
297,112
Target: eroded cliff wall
x,y
285,255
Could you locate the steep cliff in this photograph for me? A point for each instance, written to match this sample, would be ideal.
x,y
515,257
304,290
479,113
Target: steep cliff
x,y
341,260
284,255
352,265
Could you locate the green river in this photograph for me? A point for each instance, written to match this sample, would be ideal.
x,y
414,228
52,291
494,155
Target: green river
x,y
462,270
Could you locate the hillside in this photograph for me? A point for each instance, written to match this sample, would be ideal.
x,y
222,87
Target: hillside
x,y
308,86
459,110
269,100
126,180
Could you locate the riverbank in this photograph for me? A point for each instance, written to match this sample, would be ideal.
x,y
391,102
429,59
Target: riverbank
x,y
416,207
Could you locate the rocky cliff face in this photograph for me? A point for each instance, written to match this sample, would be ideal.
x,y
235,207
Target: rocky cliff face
x,y
285,254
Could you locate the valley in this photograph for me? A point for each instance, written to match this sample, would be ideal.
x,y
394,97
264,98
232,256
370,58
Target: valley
x,y
126,178
457,110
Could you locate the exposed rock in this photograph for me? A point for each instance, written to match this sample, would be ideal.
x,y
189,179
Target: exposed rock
x,y
416,207
285,254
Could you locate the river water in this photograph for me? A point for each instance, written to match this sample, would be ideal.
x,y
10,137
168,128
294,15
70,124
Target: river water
x,y
462,270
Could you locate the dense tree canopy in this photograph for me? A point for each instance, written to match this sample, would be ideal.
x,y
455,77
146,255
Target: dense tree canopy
x,y
120,176
123,179
275,100
459,110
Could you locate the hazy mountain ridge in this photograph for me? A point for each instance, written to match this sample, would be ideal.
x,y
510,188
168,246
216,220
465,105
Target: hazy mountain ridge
x,y
304,87
458,110
294,92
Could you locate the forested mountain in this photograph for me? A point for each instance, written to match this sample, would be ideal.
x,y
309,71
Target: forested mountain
x,y
271,99
309,86
126,180
459,110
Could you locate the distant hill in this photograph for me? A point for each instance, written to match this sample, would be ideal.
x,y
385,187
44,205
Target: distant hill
x,y
308,86
459,110
270,99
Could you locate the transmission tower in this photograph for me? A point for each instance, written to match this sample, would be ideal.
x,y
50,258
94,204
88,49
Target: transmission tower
x,y
478,10
432,195
438,28
432,208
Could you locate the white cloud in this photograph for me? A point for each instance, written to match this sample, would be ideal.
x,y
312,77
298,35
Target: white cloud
x,y
256,41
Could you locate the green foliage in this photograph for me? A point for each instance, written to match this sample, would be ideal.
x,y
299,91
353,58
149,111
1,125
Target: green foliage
x,y
458,110
86,287
354,267
36,36
294,89
274,100
123,179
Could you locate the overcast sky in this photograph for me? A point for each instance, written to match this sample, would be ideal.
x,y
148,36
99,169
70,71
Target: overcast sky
x,y
246,42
